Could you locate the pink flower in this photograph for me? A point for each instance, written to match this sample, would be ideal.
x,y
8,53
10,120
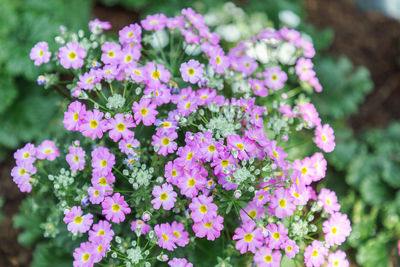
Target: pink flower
x,y
165,236
337,259
309,114
275,78
277,235
191,71
304,69
282,203
202,208
219,61
130,34
144,111
266,257
140,225
111,53
210,227
74,116
172,172
155,74
47,150
76,222
88,80
96,194
163,140
101,232
242,145
40,53
104,181
165,196
252,211
336,229
100,251
314,255
25,155
102,160
307,169
71,55
179,262
329,201
127,146
291,248
319,163
154,22
181,238
93,126
119,127
324,138
249,239
84,256
97,26
258,87
115,208
76,158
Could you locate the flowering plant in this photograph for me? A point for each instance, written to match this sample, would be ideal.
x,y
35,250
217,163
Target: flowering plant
x,y
176,140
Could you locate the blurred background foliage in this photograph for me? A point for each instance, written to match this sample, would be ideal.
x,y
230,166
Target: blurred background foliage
x,y
364,169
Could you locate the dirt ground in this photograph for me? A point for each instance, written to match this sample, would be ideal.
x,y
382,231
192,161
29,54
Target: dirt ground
x,y
370,40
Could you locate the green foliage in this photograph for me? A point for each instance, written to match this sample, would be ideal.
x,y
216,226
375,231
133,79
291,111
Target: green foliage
x,y
1,205
26,109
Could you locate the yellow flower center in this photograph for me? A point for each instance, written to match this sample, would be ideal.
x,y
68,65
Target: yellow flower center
x,y
240,146
224,162
203,209
76,116
274,77
22,171
328,201
89,80
163,196
103,163
103,181
189,156
296,195
176,234
188,105
76,158
211,148
191,182
334,230
72,55
324,138
276,235
101,233
166,124
336,263
165,237
268,258
174,173
248,237
93,124
314,253
156,74
191,71
275,154
208,225
41,53
130,34
143,111
116,207
304,170
218,60
111,54
128,58
261,197
165,141
120,127
137,72
85,257
78,219
289,248
96,193
253,214
99,248
47,151
282,203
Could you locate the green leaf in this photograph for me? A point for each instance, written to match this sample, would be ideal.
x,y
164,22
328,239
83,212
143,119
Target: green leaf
x,y
374,253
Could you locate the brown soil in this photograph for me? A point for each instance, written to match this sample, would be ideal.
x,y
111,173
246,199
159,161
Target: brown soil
x,y
371,40
11,253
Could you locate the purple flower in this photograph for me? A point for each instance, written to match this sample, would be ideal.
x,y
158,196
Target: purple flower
x,y
101,232
304,69
130,34
218,60
336,229
165,196
324,138
258,87
111,53
277,235
181,238
314,255
164,141
119,127
249,239
165,236
96,194
76,158
115,208
191,71
266,257
252,211
84,256
282,203
26,154
127,146
179,262
154,22
154,74
291,248
329,201
309,114
93,126
71,55
139,224
87,80
74,116
97,26
102,161
337,259
40,53
202,208
210,227
47,150
76,222
275,78
144,111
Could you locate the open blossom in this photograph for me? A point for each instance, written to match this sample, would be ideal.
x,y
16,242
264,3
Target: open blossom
x,y
164,140
101,232
71,55
304,69
338,259
144,111
179,262
202,208
329,200
154,22
181,237
291,248
96,194
275,78
314,255
337,228
258,87
88,80
324,138
115,208
165,236
155,74
277,236
211,227
266,257
140,225
93,124
165,196
309,114
102,160
84,255
97,26
191,71
76,158
111,53
130,34
47,150
248,238
25,155
40,53
282,203
74,116
78,222
119,127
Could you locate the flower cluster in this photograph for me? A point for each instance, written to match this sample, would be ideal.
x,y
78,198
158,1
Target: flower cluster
x,y
187,144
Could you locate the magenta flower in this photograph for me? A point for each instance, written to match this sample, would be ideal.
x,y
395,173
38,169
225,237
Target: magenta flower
x,y
324,138
100,251
155,74
119,127
104,181
139,224
179,262
76,158
202,208
210,227
266,257
277,235
165,196
304,69
101,232
309,114
130,34
329,201
154,22
291,248
96,194
144,111
276,153
249,239
47,150
88,80
76,222
84,256
102,160
336,229
282,203
71,55
192,71
307,169
111,53
239,144
165,236
74,116
252,211
22,175
173,172
181,238
192,181
25,155
115,208
275,78
163,140
218,61
93,126
40,53
337,259
97,26
314,255
319,162
258,87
